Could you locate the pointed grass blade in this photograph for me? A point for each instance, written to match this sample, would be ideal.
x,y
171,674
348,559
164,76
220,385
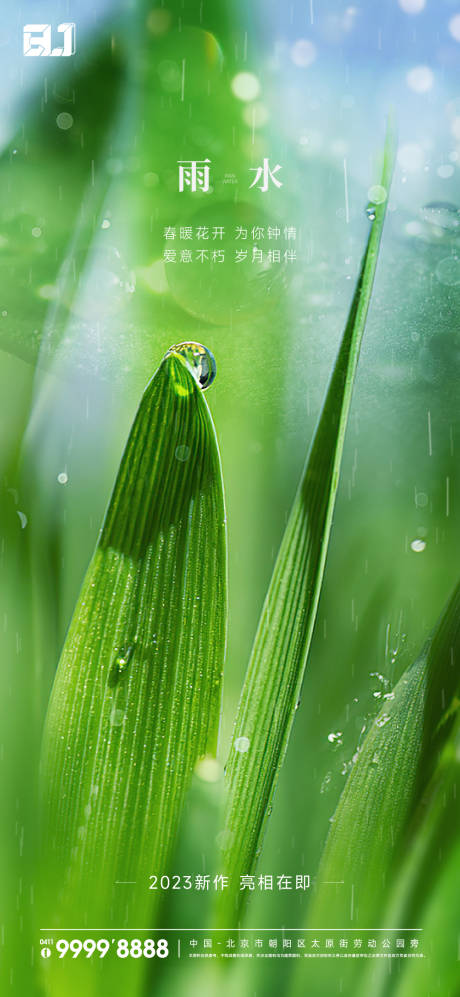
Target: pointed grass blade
x,y
136,699
279,655
372,822
436,898
424,888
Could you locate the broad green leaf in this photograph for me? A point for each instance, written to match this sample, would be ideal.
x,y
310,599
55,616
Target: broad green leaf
x,y
371,825
136,698
279,656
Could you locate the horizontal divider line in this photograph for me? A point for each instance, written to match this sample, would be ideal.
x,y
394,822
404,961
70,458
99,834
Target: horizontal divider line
x,y
211,931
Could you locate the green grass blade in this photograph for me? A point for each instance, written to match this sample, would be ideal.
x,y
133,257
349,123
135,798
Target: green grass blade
x,y
392,772
136,700
276,669
425,889
438,972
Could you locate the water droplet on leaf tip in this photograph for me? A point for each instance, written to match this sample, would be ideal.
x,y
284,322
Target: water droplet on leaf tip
x,y
242,744
199,360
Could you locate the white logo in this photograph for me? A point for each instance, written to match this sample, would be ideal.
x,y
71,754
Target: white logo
x,y
37,39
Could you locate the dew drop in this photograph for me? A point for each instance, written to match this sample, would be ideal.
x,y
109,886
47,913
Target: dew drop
x,y
335,737
379,677
325,783
370,211
123,658
242,744
182,453
117,717
120,664
63,478
381,721
23,519
418,546
199,361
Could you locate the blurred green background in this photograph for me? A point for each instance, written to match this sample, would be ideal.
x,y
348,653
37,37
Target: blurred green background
x,y
88,307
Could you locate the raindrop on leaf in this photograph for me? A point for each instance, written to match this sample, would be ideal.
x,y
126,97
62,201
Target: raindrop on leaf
x,y
121,663
116,718
242,744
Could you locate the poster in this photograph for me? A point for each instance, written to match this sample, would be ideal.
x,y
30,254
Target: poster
x,y
230,629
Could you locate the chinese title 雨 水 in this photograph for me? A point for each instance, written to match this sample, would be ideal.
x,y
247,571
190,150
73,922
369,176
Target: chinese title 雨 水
x,y
195,174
